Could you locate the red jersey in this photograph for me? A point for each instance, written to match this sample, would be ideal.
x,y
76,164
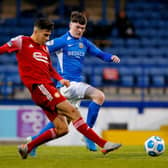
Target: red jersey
x,y
33,60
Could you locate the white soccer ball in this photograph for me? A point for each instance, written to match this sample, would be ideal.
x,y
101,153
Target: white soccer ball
x,y
154,146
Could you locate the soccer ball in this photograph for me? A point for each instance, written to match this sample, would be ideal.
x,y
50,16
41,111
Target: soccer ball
x,y
154,146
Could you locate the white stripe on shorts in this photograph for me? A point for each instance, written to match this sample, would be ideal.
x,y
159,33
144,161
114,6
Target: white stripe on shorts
x,y
44,90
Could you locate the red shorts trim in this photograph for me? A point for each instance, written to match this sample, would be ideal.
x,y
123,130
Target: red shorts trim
x,y
47,97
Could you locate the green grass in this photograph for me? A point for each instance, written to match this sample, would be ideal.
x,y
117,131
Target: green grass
x,y
79,157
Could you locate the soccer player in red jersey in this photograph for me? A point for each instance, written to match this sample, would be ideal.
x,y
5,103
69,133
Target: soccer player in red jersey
x,y
36,71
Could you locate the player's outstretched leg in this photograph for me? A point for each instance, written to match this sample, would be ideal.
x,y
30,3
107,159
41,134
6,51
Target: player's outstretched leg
x,y
83,128
109,146
33,152
23,151
90,145
93,111
48,135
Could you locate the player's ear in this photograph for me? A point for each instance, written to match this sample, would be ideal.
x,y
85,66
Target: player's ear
x,y
35,30
70,24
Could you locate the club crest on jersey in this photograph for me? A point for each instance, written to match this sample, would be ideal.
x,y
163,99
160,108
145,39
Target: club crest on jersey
x,y
80,45
57,95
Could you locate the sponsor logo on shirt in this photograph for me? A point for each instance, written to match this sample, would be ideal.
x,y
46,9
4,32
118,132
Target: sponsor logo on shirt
x,y
39,57
76,53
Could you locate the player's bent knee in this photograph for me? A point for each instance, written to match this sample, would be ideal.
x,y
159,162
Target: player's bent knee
x,y
100,98
75,114
73,111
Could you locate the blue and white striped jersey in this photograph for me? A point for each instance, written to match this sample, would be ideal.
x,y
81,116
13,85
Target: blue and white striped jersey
x,y
71,52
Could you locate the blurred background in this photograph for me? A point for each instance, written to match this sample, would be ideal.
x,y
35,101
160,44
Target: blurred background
x,y
136,89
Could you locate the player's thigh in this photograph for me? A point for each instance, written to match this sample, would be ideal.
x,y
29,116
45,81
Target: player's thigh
x,y
94,93
67,109
47,96
76,90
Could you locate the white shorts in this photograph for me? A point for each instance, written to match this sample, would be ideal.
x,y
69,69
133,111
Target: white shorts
x,y
75,92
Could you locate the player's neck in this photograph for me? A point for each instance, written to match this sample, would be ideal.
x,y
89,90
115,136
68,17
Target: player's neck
x,y
73,35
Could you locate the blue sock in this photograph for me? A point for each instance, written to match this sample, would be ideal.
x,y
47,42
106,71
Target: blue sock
x,y
47,127
93,110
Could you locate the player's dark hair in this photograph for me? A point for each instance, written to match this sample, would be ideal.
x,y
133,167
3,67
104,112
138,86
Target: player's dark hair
x,y
44,23
78,17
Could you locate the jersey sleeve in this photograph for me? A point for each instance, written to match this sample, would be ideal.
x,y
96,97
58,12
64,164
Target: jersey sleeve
x,y
13,45
4,48
54,74
56,44
94,50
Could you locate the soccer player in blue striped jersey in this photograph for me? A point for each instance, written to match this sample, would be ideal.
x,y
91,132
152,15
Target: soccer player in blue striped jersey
x,y
70,50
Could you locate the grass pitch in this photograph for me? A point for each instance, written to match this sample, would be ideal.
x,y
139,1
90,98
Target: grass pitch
x,y
79,157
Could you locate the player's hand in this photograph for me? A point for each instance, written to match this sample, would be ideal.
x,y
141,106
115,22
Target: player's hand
x,y
65,82
115,58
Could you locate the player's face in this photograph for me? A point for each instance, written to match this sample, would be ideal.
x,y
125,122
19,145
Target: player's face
x,y
77,29
43,35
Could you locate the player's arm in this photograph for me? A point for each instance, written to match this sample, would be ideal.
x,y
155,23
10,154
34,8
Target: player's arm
x,y
94,50
4,48
57,76
56,44
13,45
